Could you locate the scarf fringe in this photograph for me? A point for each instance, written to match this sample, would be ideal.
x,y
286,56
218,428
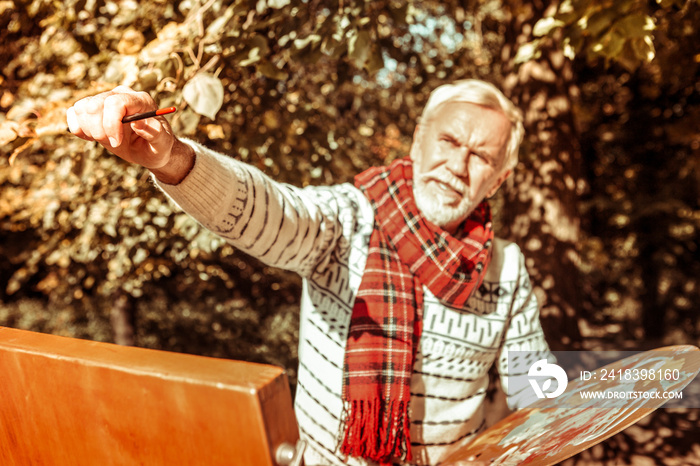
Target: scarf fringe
x,y
373,433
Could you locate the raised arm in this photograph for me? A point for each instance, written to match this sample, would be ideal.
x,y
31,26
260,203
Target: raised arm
x,y
284,226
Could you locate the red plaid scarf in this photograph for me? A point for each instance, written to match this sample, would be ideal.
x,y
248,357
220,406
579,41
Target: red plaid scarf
x,y
405,253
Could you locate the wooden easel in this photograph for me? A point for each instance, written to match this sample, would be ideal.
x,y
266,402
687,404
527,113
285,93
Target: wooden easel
x,y
73,402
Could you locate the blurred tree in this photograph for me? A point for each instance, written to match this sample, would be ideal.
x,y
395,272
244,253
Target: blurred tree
x,y
642,137
547,45
542,208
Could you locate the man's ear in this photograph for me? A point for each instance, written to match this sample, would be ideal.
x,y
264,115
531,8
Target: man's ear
x,y
497,184
413,153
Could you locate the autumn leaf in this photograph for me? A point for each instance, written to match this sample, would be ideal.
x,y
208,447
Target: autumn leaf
x,y
205,94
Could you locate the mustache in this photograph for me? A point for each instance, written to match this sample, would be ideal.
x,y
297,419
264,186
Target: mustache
x,y
444,176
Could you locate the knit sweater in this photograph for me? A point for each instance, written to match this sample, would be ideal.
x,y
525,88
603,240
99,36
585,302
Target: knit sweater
x,y
322,233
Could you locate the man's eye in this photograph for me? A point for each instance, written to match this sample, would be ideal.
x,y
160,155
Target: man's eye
x,y
482,157
449,140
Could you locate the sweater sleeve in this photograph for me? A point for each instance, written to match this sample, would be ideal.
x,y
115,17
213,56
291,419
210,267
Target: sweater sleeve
x,y
524,340
282,225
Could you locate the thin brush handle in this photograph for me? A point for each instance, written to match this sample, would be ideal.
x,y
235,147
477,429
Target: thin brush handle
x,y
143,116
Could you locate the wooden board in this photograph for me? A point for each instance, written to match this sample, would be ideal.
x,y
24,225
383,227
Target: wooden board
x,y
73,402
544,435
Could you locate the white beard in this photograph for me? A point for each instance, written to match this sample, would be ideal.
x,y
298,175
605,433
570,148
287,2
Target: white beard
x,y
436,208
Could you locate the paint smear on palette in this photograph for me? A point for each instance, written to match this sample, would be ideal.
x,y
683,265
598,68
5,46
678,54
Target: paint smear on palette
x,y
577,427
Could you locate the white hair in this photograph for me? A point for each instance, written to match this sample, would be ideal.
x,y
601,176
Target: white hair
x,y
479,92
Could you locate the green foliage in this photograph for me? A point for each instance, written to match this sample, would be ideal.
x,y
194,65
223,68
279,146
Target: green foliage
x,y
643,148
620,32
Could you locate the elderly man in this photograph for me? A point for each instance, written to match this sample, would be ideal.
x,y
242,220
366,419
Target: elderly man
x,y
408,297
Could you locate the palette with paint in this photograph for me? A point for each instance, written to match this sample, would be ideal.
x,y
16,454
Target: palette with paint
x,y
546,433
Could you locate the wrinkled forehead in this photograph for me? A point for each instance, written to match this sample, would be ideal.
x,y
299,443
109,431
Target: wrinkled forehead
x,y
455,105
467,117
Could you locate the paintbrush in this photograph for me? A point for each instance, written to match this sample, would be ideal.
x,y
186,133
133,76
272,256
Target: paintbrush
x,y
144,115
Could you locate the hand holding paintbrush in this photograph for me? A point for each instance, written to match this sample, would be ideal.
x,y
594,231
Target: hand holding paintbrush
x,y
130,125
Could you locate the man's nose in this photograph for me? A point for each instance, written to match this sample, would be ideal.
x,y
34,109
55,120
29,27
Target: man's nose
x,y
459,166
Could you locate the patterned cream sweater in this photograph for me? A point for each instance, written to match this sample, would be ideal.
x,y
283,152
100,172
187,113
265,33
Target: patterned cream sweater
x,y
322,233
